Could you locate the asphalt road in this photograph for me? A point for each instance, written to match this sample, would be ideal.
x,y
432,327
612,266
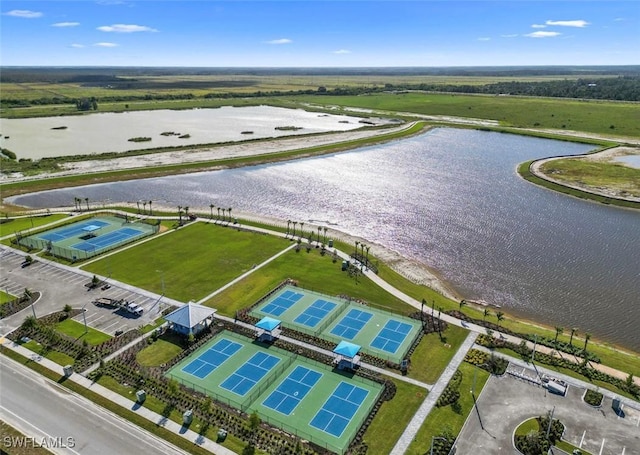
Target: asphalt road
x,y
41,408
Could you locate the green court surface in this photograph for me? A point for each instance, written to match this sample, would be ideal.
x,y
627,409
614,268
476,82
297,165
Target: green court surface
x,y
379,333
303,397
88,237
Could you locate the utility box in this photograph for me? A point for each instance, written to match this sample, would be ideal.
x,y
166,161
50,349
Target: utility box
x,y
141,395
68,370
616,405
330,243
345,265
187,417
222,435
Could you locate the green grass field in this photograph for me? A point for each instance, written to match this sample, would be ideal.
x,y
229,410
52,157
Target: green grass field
x,y
58,357
5,297
193,261
432,355
600,117
596,174
77,329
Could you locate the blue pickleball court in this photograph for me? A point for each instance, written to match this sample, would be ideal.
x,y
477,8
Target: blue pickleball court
x,y
212,358
339,409
250,373
292,390
391,336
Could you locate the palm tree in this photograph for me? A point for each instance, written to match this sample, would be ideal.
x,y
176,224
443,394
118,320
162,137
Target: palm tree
x,y
573,332
87,201
499,316
587,337
144,206
355,255
180,214
218,212
186,212
211,206
138,204
288,224
294,228
368,254
319,229
325,234
559,331
462,303
486,313
150,212
229,210
301,228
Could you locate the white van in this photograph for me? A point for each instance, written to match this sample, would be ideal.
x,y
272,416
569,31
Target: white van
x,y
134,308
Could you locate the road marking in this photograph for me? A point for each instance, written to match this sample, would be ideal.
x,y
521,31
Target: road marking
x,y
601,446
582,439
623,450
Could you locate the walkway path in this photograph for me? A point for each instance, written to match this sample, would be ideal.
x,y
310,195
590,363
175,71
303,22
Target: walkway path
x,y
427,405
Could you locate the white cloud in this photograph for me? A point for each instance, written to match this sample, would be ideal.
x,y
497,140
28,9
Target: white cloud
x,y
342,51
106,44
513,35
280,41
65,24
126,28
543,34
78,46
24,13
484,38
538,26
578,23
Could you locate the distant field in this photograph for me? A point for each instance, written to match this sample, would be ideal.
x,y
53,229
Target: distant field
x,y
601,117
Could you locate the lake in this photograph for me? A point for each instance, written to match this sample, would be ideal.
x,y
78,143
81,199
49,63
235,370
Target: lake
x,y
40,137
451,199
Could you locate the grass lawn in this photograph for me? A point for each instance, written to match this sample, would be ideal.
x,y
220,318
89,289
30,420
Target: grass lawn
x,y
596,174
161,351
312,271
76,330
392,418
154,325
55,356
4,297
11,225
446,417
192,261
432,355
527,427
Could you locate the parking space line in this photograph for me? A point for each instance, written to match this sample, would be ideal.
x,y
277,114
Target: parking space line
x,y
624,449
582,439
601,446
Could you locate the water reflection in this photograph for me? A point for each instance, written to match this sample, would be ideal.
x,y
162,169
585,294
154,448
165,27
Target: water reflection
x,y
451,199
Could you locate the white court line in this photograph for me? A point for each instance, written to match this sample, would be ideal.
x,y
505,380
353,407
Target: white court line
x,y
601,446
582,439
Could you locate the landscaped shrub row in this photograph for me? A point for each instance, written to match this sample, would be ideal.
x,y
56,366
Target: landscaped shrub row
x,y
593,398
583,368
490,362
561,346
537,443
451,393
18,304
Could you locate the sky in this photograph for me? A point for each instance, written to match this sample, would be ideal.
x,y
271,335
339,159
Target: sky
x,y
311,33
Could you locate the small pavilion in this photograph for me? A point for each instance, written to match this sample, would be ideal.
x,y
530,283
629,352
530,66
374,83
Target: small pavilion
x,y
268,329
190,319
347,355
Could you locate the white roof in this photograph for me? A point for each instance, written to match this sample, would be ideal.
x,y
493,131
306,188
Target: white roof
x,y
190,315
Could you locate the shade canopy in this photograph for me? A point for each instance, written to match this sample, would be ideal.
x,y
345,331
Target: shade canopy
x,y
267,323
347,349
190,315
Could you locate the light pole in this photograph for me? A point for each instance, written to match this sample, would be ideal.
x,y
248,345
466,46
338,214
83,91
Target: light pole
x,y
433,439
84,317
473,393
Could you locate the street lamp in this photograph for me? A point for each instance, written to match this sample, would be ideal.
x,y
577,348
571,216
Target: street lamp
x,y
433,438
473,392
84,317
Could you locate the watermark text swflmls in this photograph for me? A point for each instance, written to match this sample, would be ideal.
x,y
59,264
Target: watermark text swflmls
x,y
47,442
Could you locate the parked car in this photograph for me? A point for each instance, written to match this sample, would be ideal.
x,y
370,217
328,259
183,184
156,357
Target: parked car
x,y
134,308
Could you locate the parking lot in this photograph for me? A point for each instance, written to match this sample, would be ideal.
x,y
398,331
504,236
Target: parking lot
x,y
507,401
61,285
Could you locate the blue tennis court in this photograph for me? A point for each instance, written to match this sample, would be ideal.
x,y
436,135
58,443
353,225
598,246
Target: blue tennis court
x,y
339,409
351,324
74,231
105,240
282,303
212,358
313,314
249,374
294,388
391,336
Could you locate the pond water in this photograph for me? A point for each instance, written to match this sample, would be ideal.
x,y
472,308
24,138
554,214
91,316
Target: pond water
x,y
453,200
631,160
36,138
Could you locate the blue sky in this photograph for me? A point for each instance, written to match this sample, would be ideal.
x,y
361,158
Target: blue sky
x,y
319,33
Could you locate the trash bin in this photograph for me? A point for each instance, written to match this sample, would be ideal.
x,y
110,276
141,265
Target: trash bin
x,y
68,370
141,395
187,416
222,434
